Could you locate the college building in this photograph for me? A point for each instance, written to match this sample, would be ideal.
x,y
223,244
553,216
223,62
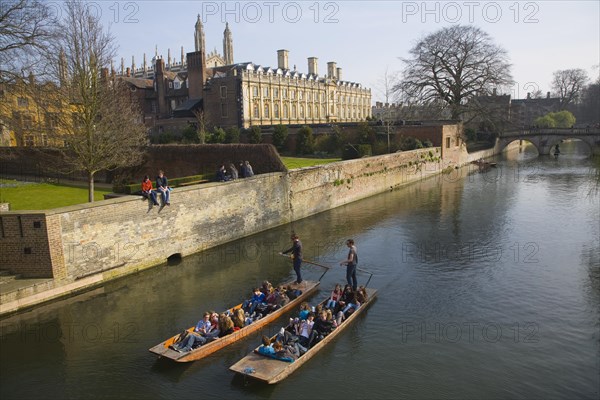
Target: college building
x,y
226,94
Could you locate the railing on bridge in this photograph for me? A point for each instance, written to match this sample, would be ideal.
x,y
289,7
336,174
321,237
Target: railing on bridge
x,y
553,131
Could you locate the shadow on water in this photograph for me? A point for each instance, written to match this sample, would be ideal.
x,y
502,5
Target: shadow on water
x,y
242,384
172,371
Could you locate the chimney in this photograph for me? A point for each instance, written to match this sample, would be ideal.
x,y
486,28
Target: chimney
x,y
282,59
128,72
494,92
312,65
31,79
339,74
104,74
528,95
331,70
548,95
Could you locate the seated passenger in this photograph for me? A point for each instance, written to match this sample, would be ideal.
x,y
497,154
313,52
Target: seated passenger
x,y
336,295
192,340
239,318
215,330
285,351
257,298
321,328
266,348
304,331
225,325
266,288
305,309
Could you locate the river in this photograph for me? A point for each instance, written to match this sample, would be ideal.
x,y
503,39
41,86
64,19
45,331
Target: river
x,y
488,287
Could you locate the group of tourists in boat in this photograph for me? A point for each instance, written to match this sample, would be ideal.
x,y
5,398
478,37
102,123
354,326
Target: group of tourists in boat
x,y
264,300
313,324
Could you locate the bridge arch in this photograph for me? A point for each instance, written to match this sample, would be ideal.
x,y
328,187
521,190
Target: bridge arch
x,y
545,139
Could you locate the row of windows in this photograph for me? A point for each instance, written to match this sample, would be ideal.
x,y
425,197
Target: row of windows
x,y
310,96
300,112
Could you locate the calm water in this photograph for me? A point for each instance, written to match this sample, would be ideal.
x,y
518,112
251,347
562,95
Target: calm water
x,y
489,287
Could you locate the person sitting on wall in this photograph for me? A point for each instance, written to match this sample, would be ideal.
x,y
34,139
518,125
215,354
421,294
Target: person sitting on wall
x,y
147,190
222,174
249,171
233,172
162,185
243,170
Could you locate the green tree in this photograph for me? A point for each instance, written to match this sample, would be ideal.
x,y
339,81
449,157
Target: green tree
x,y
305,141
232,135
560,119
279,136
190,135
563,119
216,136
545,122
255,134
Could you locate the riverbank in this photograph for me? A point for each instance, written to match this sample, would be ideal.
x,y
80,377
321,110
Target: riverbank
x,y
77,248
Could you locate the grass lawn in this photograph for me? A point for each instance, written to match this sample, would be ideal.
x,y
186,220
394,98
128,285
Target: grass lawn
x,y
296,162
43,196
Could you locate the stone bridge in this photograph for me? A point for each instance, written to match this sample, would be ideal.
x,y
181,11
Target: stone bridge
x,y
545,139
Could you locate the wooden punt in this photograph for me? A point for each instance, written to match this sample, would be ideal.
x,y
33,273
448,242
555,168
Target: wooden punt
x,y
271,370
163,350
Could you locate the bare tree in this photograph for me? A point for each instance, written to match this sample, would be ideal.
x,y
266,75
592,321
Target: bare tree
x,y
26,27
200,125
104,130
569,84
453,65
385,86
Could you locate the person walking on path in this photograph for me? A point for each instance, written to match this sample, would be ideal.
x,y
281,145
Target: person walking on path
x,y
296,251
351,264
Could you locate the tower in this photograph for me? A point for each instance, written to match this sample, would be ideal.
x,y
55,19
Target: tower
x,y
227,45
199,36
196,64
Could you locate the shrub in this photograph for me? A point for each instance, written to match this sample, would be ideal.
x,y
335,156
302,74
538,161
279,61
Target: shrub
x,y
279,136
232,135
190,135
254,135
351,151
216,136
305,141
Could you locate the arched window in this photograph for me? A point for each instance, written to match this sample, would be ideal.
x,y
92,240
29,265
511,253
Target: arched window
x,y
294,114
276,110
285,111
301,111
255,111
267,110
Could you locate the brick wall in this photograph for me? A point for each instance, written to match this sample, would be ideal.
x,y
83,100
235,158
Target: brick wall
x,y
24,244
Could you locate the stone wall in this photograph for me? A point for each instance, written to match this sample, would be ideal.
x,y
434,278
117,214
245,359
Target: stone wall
x,y
120,236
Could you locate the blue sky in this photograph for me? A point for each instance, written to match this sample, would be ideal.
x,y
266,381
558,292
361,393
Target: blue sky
x,y
364,38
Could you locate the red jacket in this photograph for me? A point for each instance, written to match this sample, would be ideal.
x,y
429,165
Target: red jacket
x,y
146,185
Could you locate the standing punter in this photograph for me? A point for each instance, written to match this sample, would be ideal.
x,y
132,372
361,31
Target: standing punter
x,y
351,264
296,251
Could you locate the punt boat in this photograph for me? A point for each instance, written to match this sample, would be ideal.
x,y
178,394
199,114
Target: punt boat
x,y
164,351
271,370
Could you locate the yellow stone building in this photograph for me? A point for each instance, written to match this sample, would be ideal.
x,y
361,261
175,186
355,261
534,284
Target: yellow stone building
x,y
31,114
